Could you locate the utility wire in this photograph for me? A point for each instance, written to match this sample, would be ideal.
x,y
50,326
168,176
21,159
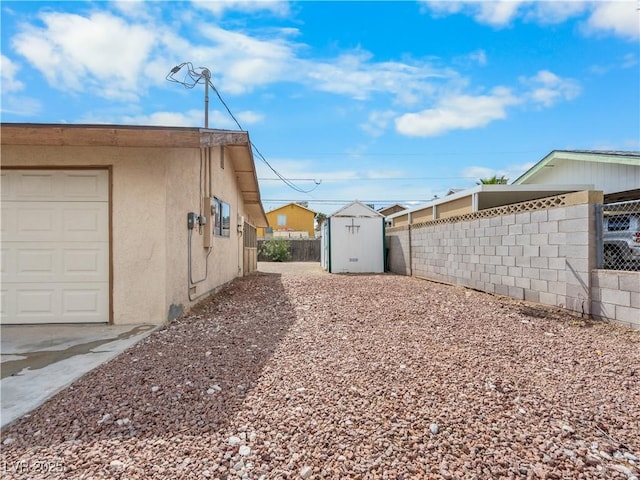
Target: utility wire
x,y
286,181
191,78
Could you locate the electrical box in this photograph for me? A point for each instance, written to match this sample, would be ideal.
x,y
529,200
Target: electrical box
x,y
207,227
191,220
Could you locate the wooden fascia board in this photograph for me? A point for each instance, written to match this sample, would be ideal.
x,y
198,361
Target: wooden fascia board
x,y
98,136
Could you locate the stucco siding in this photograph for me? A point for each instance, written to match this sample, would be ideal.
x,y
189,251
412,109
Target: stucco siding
x,y
152,190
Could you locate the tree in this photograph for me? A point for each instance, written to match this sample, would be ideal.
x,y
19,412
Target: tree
x,y
495,180
320,219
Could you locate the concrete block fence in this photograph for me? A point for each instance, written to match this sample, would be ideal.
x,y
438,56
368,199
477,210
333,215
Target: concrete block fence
x,y
539,251
616,297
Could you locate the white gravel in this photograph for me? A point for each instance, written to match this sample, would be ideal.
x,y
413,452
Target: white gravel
x,y
287,375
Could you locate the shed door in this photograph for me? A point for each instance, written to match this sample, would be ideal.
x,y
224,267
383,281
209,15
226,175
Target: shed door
x,y
55,246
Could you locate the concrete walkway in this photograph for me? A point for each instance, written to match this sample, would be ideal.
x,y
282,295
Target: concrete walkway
x,y
40,360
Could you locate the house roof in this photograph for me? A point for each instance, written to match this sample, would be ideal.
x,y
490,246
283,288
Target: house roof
x,y
391,209
292,203
236,144
600,156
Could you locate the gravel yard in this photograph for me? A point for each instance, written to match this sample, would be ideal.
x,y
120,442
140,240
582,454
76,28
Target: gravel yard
x,y
310,375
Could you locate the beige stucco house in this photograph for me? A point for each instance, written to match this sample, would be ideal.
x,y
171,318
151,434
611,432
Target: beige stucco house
x,y
122,224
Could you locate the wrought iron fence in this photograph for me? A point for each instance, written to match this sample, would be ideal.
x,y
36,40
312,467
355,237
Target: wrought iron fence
x,y
619,236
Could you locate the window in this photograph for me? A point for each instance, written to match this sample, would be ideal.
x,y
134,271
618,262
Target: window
x,y
222,218
282,220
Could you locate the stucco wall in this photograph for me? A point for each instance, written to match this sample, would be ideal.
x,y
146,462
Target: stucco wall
x,y
544,255
616,297
151,192
186,188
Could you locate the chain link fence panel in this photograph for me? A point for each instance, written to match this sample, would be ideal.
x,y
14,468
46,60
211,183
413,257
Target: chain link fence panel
x,y
619,236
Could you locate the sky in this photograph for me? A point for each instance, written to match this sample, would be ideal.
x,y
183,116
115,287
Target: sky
x,y
382,102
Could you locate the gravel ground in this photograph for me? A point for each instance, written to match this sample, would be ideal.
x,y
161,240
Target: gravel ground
x,y
294,375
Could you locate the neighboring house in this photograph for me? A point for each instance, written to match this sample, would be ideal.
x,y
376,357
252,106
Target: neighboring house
x,y
291,218
617,174
353,240
122,224
391,209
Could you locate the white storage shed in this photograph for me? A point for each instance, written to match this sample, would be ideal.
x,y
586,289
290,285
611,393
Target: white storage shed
x,y
353,240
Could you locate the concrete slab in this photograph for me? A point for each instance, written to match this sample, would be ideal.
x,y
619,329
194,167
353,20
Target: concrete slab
x,y
40,360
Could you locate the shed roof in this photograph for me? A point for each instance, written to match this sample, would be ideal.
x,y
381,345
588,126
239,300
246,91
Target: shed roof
x,y
235,142
356,209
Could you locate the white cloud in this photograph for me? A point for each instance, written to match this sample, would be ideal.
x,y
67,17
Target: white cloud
x,y
621,18
9,70
552,12
355,75
457,112
630,60
133,9
547,89
249,118
87,53
21,106
497,13
479,56
191,118
220,7
377,122
261,61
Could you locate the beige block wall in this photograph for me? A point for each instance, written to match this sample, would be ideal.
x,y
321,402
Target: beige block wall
x,y
616,297
544,256
151,192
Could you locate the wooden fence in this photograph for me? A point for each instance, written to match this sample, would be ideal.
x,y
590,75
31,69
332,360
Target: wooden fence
x,y
302,250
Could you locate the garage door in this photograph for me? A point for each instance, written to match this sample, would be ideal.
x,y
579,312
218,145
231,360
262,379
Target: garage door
x,y
55,246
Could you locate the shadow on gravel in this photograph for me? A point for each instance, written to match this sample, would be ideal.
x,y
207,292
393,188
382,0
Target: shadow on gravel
x,y
187,379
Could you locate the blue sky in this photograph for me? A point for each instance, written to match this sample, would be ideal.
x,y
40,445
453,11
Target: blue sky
x,y
384,102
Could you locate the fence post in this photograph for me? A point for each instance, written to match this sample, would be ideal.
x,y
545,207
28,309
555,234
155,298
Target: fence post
x,y
599,235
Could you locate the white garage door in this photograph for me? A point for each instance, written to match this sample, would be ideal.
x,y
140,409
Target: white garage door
x,y
55,246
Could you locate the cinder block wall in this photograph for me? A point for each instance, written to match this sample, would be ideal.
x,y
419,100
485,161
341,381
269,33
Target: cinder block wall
x,y
398,252
544,252
616,297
